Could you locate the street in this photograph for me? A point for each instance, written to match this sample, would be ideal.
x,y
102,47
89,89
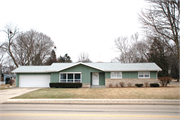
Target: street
x,y
88,112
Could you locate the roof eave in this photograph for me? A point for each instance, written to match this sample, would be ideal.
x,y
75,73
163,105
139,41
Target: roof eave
x,y
33,72
133,70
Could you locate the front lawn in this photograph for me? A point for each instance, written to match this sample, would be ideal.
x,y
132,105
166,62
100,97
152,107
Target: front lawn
x,y
172,92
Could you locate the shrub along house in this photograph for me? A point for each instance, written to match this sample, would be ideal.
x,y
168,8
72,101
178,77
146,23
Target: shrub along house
x,y
89,74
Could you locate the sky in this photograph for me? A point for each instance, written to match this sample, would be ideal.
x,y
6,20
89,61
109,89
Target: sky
x,y
76,26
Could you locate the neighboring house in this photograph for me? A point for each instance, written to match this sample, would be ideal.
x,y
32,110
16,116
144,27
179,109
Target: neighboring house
x,y
5,77
12,76
89,74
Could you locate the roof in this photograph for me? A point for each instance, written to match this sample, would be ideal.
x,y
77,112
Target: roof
x,y
31,69
127,66
55,67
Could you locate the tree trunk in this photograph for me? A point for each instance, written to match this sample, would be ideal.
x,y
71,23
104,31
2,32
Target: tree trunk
x,y
12,57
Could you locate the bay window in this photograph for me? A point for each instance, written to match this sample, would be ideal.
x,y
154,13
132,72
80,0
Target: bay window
x,y
70,77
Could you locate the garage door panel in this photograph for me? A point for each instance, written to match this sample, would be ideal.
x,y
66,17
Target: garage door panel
x,y
34,80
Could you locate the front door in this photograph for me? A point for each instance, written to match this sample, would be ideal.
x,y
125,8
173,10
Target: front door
x,y
95,78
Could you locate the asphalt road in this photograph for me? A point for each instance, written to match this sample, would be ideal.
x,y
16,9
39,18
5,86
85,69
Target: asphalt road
x,y
88,112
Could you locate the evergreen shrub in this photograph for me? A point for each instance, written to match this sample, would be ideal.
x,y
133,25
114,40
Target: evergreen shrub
x,y
154,85
138,85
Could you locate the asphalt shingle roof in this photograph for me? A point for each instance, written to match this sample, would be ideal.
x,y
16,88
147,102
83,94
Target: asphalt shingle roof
x,y
31,69
55,67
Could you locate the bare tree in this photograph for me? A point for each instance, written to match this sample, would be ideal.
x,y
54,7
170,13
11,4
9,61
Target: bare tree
x,y
84,57
52,58
140,50
2,53
7,46
27,48
32,48
131,50
162,21
123,45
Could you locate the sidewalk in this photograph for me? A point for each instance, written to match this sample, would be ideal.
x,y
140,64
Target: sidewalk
x,y
95,101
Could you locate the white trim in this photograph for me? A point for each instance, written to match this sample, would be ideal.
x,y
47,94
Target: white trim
x,y
116,75
143,74
70,72
35,72
89,66
129,70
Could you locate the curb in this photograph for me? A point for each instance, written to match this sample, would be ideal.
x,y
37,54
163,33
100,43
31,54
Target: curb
x,y
95,101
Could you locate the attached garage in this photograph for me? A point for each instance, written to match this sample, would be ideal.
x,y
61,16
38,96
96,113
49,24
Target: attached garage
x,y
89,74
34,80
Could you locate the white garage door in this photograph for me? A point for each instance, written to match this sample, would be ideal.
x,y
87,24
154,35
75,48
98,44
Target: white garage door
x,y
34,80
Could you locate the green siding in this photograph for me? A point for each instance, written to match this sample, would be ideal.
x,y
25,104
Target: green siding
x,y
55,77
101,78
153,74
17,76
129,74
132,74
85,70
107,75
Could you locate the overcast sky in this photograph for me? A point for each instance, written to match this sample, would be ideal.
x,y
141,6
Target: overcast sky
x,y
76,26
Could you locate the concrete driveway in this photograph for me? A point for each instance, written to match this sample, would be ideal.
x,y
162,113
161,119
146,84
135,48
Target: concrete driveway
x,y
13,92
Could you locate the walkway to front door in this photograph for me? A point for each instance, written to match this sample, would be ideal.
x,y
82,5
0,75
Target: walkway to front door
x,y
95,78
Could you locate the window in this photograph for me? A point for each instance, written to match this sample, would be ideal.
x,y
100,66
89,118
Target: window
x,y
70,77
77,78
144,74
116,74
63,77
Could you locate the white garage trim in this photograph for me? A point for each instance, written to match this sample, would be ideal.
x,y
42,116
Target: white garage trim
x,y
34,80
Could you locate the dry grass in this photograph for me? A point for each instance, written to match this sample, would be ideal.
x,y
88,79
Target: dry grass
x,y
5,86
172,92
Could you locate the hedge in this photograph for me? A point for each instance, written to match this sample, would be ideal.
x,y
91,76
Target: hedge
x,y
138,85
154,85
65,85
